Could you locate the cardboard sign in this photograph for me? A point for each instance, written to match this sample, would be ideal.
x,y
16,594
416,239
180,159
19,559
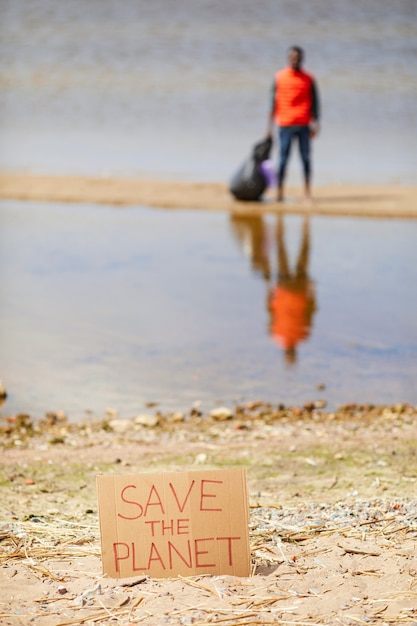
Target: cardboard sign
x,y
173,523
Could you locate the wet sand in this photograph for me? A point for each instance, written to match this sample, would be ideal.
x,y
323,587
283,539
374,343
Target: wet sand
x,y
385,201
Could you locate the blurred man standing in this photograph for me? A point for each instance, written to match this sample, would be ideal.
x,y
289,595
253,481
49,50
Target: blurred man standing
x,y
295,110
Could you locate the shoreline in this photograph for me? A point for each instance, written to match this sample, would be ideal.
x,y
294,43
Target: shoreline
x,y
342,200
332,504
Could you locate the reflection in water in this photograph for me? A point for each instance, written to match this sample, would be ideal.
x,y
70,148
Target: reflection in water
x,y
291,302
251,232
187,320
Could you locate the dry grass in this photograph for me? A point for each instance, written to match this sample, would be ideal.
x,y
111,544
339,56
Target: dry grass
x,y
321,554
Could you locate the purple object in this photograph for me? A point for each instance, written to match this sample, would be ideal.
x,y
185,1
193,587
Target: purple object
x,y
269,172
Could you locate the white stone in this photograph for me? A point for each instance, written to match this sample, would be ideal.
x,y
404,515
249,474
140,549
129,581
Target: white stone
x,y
222,413
147,420
120,425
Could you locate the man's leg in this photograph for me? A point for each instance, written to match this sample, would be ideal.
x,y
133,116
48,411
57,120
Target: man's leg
x,y
283,268
303,257
285,139
305,154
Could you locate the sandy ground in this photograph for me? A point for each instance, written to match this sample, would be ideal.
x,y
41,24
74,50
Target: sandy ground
x,y
333,506
333,516
353,200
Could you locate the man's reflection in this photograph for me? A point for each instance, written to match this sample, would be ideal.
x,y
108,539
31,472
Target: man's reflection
x,y
291,303
251,232
291,300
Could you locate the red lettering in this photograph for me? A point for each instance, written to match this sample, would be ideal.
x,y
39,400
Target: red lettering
x,y
134,567
158,501
182,527
118,558
179,526
181,506
167,527
152,524
155,558
198,552
208,495
122,497
229,545
172,548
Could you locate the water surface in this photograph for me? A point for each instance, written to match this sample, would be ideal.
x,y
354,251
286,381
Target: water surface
x,y
103,307
137,88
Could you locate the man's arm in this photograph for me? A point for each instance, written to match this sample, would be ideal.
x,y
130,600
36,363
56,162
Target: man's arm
x,y
270,128
315,109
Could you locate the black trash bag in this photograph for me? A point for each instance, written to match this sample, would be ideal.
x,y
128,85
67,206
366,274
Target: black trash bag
x,y
262,150
249,182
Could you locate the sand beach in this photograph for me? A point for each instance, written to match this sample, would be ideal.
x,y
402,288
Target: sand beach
x,y
332,516
381,201
137,106
332,494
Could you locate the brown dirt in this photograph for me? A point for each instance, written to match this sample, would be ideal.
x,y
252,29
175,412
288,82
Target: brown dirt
x,y
353,200
333,521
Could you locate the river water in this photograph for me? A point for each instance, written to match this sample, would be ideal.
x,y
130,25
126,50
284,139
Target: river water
x,y
162,90
104,307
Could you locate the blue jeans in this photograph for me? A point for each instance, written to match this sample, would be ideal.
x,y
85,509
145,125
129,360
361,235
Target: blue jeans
x,y
286,136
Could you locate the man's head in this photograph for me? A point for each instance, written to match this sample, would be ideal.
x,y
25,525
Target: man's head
x,y
290,355
295,57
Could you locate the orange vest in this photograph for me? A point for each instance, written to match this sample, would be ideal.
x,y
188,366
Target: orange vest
x,y
293,97
289,324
